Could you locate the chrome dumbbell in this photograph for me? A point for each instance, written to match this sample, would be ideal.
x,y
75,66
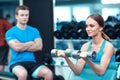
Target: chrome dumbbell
x,y
74,53
67,52
91,54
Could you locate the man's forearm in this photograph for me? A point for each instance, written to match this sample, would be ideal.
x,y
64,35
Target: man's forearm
x,y
24,46
35,47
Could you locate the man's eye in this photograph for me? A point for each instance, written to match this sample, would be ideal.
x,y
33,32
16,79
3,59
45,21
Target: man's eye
x,y
22,15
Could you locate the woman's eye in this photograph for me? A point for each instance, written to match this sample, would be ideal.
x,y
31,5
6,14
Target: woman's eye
x,y
91,25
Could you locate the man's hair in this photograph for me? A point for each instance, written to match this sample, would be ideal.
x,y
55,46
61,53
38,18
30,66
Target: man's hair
x,y
22,7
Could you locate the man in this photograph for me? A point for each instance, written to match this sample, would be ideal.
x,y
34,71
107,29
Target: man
x,y
4,48
24,40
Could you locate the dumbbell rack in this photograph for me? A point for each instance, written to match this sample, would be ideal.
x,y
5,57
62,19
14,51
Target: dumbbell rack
x,y
73,43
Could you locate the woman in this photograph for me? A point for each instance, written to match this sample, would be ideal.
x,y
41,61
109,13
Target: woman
x,y
99,43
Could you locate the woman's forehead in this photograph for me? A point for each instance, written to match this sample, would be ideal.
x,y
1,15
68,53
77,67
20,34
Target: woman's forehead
x,y
90,21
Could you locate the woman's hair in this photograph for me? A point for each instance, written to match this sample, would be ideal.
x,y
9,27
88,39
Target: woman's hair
x,y
22,7
99,19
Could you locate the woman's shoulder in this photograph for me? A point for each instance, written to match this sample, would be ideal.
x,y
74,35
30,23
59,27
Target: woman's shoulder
x,y
109,44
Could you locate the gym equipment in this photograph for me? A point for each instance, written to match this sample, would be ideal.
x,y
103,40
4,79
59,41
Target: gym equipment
x,y
82,34
110,31
5,75
117,30
73,34
58,34
74,53
117,55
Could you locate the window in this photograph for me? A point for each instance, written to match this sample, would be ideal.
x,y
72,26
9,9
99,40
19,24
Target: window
x,y
81,13
110,1
109,12
62,14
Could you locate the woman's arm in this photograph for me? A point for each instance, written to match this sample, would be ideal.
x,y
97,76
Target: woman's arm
x,y
76,68
105,60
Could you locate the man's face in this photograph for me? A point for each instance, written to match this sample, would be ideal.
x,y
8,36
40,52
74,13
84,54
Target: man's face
x,y
22,16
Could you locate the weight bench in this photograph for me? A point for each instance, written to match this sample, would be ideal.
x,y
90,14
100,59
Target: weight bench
x,y
7,76
10,76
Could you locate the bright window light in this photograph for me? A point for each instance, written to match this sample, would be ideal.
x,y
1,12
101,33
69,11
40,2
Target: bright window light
x,y
81,13
110,1
62,13
109,12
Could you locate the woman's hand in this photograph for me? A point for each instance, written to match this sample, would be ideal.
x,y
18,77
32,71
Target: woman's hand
x,y
60,53
83,55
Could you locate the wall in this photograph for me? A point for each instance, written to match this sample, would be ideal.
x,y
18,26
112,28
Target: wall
x,y
41,16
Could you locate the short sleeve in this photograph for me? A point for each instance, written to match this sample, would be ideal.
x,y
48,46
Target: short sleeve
x,y
9,36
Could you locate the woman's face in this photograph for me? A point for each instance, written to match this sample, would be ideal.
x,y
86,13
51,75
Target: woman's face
x,y
92,27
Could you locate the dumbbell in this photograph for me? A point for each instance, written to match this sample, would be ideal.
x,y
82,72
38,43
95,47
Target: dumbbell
x,y
74,53
67,52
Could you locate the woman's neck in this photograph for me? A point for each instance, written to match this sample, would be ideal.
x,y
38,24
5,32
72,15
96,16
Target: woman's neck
x,y
96,43
97,40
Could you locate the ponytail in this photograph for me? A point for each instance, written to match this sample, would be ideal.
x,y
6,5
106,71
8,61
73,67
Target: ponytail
x,y
105,36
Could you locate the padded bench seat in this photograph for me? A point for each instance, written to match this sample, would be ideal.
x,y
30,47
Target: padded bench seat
x,y
10,76
7,75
